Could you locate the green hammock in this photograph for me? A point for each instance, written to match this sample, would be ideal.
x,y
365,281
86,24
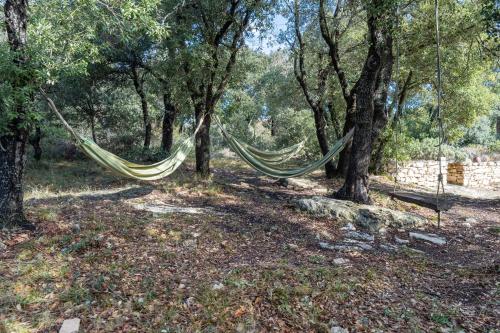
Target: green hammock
x,y
272,158
263,166
125,168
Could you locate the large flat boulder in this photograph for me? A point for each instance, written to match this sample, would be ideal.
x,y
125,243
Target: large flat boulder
x,y
372,218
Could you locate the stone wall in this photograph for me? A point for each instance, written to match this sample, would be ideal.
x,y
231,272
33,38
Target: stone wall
x,y
479,174
421,173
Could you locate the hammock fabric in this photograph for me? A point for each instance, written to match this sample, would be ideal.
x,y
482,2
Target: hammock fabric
x,y
263,166
125,168
273,157
263,161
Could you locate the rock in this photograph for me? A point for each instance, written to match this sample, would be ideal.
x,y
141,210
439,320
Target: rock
x,y
414,250
372,218
3,247
401,241
75,228
341,261
181,286
360,245
388,247
466,225
70,326
293,246
338,329
217,286
471,220
428,237
348,227
326,246
360,236
189,243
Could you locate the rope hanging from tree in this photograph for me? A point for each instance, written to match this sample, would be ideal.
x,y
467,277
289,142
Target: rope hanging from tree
x,y
439,202
440,186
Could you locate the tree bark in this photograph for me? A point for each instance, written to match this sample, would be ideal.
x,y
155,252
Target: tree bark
x,y
343,163
202,148
92,127
13,143
139,88
320,123
35,143
370,95
168,123
400,97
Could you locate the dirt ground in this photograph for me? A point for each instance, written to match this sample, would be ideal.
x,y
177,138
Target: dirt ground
x,y
245,261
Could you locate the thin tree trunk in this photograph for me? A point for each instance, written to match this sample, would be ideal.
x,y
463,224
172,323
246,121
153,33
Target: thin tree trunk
x,y
35,142
168,123
273,127
334,120
378,156
13,144
320,123
202,148
92,128
345,154
139,88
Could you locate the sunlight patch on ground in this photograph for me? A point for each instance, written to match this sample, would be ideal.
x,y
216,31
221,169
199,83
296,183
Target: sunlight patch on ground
x,y
46,193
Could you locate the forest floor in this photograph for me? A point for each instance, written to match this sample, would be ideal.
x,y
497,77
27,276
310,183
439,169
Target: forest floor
x,y
242,259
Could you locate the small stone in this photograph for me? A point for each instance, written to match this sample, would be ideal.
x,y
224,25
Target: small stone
x,y
349,227
358,244
360,236
217,286
189,243
70,326
388,247
3,246
428,237
401,241
75,228
326,246
293,246
471,220
181,286
341,261
338,329
467,225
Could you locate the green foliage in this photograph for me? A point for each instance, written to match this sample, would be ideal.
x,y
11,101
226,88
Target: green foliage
x,y
407,148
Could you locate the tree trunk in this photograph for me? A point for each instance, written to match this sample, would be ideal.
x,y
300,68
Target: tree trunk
x,y
13,144
35,142
498,127
168,123
377,157
139,88
273,127
320,123
202,149
370,94
345,154
92,128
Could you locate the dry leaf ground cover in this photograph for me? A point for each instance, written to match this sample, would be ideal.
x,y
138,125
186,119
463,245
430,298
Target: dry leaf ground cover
x,y
249,263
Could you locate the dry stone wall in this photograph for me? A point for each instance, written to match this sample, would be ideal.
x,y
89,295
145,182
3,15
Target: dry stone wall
x,y
421,173
479,174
